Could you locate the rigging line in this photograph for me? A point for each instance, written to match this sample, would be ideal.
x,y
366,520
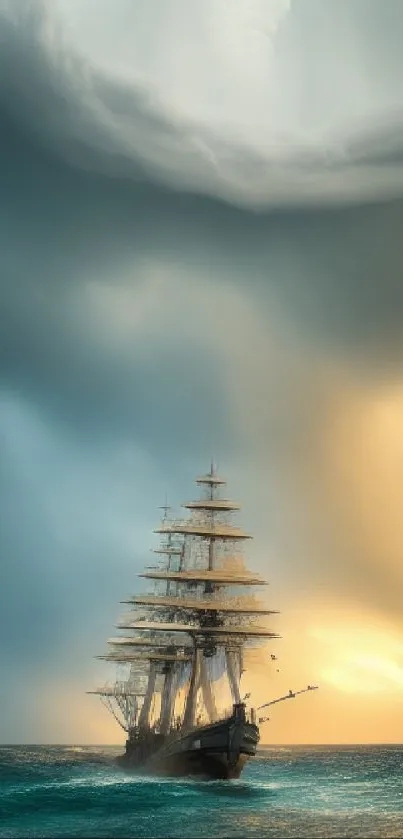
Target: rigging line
x,y
290,695
109,706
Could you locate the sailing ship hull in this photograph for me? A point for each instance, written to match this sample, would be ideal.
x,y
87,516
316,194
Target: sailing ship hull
x,y
217,751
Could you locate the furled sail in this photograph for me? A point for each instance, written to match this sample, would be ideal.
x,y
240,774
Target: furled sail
x,y
246,605
219,578
246,630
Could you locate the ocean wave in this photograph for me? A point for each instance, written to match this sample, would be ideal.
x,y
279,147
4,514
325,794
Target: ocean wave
x,y
62,791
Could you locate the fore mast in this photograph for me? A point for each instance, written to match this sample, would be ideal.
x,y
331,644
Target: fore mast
x,y
151,658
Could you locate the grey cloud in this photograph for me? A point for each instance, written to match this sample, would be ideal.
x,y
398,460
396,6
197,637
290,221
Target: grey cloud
x,y
117,129
323,273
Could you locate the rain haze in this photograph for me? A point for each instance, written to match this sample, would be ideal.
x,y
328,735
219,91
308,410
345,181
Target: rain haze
x,y
201,255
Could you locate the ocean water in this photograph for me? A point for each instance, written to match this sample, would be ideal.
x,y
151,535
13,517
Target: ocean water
x,y
62,791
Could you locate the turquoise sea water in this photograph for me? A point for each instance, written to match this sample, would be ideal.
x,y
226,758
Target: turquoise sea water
x,y
62,791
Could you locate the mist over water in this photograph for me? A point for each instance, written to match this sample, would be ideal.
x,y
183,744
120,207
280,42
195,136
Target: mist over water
x,y
77,791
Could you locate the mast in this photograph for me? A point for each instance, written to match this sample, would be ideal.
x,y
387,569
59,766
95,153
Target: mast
x,y
202,606
169,544
150,656
123,699
208,587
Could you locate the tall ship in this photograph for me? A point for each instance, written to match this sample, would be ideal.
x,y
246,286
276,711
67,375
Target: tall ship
x,y
185,647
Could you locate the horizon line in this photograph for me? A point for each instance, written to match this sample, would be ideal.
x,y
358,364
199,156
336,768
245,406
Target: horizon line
x,y
76,744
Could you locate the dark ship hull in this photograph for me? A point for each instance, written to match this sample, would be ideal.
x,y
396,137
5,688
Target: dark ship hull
x,y
216,751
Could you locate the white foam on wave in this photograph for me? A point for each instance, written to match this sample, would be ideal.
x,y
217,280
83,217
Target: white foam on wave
x,y
73,749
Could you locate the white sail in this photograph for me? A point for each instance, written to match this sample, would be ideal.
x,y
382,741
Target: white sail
x,y
216,665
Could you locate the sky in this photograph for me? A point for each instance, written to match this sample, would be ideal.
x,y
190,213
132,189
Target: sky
x,y
200,249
